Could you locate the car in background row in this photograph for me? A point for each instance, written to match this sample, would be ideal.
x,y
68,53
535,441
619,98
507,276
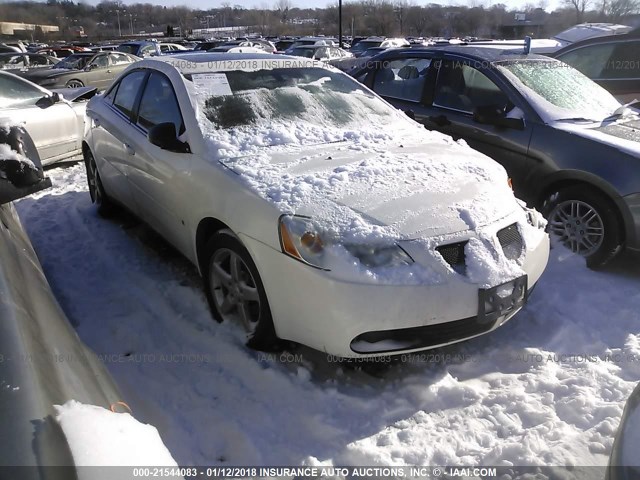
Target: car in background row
x,y
53,119
274,171
141,49
306,41
83,69
612,61
569,147
321,52
25,61
363,45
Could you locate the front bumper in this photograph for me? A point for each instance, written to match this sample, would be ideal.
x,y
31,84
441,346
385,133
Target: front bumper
x,y
311,307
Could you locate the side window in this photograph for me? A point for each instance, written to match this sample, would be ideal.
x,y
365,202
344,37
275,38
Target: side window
x,y
159,104
127,91
38,60
100,61
402,78
146,51
591,60
461,87
624,62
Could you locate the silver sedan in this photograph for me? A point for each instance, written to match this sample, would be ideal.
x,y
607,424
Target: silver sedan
x,y
54,120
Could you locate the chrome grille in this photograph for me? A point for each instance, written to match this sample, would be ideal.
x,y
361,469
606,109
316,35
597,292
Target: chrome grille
x,y
511,241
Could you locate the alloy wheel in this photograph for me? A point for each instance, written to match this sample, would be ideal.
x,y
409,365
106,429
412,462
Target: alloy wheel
x,y
234,289
578,226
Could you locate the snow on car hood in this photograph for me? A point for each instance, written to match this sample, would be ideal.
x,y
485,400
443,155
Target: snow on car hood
x,y
382,184
623,135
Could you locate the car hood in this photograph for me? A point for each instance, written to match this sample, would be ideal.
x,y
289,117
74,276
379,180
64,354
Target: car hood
x,y
623,135
408,190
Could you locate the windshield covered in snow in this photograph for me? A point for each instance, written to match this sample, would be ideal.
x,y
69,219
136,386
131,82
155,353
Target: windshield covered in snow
x,y
289,96
560,91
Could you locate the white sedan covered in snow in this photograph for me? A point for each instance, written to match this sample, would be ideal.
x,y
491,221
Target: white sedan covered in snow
x,y
315,211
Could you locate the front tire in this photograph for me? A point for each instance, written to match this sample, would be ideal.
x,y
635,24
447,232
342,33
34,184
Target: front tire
x,y
586,222
104,204
235,291
74,84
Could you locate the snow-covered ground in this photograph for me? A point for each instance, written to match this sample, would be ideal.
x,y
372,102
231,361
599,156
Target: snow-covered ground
x,y
548,388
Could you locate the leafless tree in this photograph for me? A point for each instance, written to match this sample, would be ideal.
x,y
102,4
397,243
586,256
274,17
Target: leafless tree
x,y
580,6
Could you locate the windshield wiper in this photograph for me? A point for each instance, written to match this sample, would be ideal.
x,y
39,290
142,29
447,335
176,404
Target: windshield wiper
x,y
622,111
576,119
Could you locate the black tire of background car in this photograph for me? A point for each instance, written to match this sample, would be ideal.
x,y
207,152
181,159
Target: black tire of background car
x,y
74,84
104,204
264,337
613,236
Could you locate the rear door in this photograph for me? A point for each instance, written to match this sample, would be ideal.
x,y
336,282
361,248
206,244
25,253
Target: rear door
x,y
110,123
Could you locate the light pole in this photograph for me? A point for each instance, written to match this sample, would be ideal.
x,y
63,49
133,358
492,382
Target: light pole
x,y
118,14
131,17
340,23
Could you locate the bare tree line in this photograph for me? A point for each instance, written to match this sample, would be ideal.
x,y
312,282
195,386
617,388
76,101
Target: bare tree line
x,y
111,19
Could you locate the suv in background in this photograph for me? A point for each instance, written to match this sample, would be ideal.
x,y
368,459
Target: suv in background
x,y
610,61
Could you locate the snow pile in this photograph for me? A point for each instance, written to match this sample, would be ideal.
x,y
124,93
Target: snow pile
x,y
7,153
98,437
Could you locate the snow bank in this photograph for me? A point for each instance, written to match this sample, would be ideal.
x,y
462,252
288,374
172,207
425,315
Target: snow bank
x,y
98,437
547,388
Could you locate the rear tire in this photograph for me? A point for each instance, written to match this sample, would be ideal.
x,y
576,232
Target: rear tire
x,y
586,222
104,204
235,291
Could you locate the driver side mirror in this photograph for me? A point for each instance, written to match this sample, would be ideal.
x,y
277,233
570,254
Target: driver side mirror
x,y
496,115
47,101
164,135
20,170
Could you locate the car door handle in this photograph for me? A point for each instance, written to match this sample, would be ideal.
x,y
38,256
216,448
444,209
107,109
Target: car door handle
x,y
129,149
440,120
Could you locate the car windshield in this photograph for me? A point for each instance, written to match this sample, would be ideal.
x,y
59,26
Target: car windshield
x,y
559,91
73,62
301,99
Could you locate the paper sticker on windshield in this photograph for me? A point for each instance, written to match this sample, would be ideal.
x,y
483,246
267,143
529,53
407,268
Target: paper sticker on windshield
x,y
212,83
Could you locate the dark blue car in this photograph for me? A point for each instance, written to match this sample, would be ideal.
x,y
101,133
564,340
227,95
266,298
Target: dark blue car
x,y
569,147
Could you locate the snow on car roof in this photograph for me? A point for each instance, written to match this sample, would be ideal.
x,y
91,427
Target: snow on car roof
x,y
226,62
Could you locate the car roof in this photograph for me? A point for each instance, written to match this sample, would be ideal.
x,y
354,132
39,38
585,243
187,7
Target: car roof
x,y
202,62
482,54
632,35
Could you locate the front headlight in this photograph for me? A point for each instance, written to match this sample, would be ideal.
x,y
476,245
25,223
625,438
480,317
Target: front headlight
x,y
301,239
